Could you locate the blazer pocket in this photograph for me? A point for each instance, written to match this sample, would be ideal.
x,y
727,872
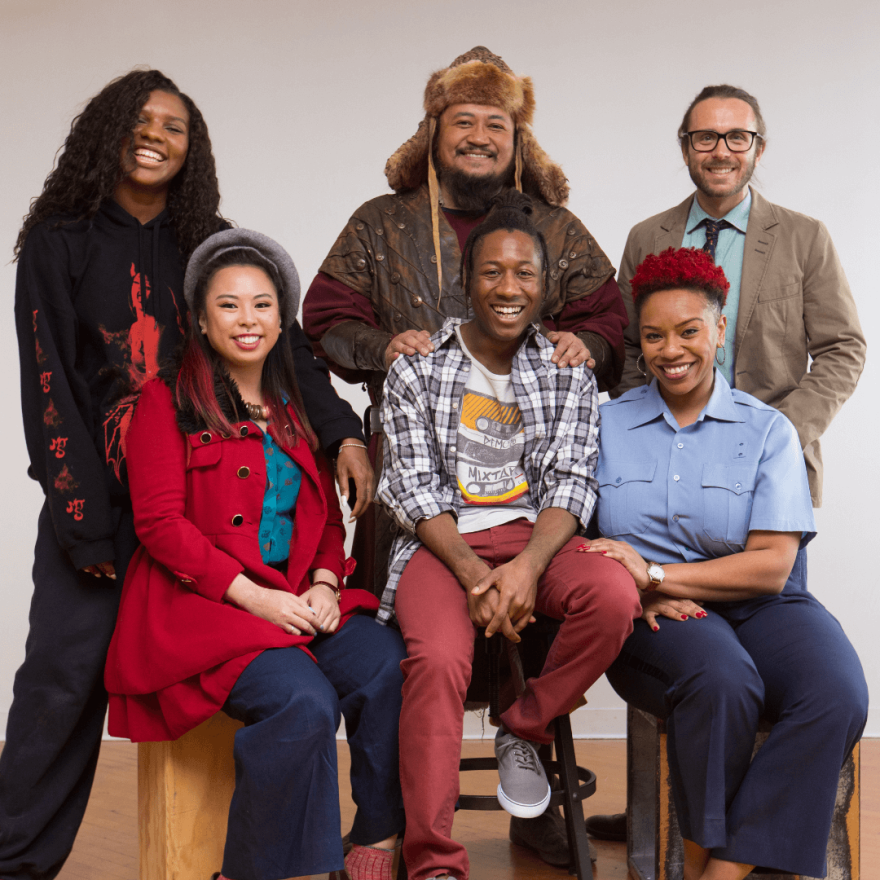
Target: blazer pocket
x,y
727,501
624,492
783,291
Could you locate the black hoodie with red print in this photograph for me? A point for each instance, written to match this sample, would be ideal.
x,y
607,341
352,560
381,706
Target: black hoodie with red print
x,y
98,306
92,300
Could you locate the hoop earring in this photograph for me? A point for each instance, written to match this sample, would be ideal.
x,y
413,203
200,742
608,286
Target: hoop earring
x,y
641,369
723,355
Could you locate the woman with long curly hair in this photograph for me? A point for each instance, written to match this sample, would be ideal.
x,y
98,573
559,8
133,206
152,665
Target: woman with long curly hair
x,y
98,306
703,498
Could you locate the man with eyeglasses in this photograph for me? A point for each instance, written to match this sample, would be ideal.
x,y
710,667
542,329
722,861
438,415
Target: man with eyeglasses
x,y
793,335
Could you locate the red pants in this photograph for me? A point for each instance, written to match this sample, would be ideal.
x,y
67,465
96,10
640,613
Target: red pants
x,y
595,599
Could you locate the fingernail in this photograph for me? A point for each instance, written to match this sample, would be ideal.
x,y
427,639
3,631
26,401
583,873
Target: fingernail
x,y
320,626
684,617
655,628
604,552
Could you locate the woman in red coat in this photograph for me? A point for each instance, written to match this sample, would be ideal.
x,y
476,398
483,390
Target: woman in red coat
x,y
235,600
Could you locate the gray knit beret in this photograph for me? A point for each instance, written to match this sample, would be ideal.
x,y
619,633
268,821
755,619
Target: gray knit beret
x,y
245,239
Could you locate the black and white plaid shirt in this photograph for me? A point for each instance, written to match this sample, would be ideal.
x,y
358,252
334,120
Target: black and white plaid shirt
x,y
420,416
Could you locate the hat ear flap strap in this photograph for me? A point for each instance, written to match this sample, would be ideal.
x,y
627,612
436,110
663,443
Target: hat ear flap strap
x,y
517,168
434,194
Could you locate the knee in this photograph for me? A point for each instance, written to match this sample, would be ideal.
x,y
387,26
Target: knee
x,y
609,595
314,711
725,687
841,706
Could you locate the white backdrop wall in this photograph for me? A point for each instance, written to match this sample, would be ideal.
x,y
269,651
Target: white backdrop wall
x,y
305,101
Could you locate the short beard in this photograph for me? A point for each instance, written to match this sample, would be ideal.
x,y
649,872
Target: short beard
x,y
469,192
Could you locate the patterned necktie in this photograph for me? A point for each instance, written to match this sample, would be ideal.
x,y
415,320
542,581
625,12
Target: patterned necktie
x,y
713,227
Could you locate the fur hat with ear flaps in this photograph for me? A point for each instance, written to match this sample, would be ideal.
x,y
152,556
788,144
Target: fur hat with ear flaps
x,y
479,77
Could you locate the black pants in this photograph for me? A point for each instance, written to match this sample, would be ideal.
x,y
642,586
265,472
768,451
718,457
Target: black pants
x,y
55,724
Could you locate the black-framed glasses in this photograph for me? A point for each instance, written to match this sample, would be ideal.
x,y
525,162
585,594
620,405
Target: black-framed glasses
x,y
738,141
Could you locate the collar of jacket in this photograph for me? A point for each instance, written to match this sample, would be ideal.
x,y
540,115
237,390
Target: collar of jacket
x,y
225,390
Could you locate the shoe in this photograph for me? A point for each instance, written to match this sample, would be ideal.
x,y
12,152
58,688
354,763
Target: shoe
x,y
611,827
523,790
546,837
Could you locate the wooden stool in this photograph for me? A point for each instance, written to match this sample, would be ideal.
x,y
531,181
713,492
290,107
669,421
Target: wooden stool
x,y
184,791
654,847
577,783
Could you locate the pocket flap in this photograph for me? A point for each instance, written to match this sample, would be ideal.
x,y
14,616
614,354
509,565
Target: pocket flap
x,y
735,478
203,455
618,473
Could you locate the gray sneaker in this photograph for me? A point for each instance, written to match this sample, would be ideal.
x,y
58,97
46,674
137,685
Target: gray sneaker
x,y
523,790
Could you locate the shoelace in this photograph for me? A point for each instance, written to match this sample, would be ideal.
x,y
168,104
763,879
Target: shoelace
x,y
524,756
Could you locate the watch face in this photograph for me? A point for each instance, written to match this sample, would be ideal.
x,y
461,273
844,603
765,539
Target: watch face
x,y
656,573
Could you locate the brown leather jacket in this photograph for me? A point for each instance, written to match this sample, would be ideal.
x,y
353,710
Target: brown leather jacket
x,y
385,254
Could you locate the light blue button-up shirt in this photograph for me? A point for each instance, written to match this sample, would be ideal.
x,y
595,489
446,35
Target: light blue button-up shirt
x,y
729,255
694,493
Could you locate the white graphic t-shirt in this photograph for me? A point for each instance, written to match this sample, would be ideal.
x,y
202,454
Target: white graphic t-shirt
x,y
489,456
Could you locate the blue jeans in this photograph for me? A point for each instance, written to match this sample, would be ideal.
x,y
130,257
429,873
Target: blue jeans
x,y
783,657
284,818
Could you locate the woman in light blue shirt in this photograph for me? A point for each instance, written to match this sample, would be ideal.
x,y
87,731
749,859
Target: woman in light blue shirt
x,y
703,497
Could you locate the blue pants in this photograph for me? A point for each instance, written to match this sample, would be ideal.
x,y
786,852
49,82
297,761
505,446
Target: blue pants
x,y
56,720
284,818
784,657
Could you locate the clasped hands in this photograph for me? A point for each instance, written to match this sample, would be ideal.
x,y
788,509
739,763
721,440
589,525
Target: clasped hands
x,y
503,598
570,349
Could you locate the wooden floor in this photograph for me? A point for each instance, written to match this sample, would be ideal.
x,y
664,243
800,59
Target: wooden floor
x,y
106,848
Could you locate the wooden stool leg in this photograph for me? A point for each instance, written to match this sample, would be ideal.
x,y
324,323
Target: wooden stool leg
x,y
572,805
184,791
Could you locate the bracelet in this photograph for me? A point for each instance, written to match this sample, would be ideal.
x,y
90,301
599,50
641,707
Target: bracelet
x,y
335,589
352,446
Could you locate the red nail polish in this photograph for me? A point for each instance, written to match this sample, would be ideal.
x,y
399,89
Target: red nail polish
x,y
656,628
684,617
604,552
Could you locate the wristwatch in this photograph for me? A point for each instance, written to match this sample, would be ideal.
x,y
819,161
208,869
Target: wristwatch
x,y
656,574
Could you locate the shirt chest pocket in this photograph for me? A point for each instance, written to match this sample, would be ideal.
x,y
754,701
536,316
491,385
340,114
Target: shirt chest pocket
x,y
624,493
727,501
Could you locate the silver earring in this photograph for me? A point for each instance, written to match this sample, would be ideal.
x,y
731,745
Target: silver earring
x,y
641,369
723,355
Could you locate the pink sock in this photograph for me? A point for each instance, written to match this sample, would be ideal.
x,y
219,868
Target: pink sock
x,y
369,863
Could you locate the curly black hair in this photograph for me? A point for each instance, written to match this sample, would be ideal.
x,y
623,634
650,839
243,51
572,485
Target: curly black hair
x,y
88,170
511,211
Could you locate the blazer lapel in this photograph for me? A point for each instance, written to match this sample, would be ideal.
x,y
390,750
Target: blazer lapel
x,y
672,227
760,240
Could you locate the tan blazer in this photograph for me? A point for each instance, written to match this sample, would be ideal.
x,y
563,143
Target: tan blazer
x,y
795,305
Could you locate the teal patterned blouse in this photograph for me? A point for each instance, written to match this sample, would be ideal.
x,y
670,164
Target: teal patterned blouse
x,y
283,478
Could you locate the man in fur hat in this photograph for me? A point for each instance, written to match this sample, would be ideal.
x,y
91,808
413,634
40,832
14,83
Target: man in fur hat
x,y
392,277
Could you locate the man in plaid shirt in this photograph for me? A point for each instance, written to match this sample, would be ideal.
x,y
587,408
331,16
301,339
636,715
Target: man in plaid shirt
x,y
489,471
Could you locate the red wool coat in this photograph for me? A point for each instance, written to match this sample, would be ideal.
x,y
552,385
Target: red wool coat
x,y
178,648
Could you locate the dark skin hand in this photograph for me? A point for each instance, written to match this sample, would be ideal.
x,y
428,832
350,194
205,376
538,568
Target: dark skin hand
x,y
101,569
570,349
503,598
353,463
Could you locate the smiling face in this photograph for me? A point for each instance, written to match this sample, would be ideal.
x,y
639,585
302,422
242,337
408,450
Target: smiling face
x,y
506,294
475,139
241,318
156,150
680,333
721,176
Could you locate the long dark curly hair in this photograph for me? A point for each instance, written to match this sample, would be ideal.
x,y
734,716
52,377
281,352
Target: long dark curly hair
x,y
88,169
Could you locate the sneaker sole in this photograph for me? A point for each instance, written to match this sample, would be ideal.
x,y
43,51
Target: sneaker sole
x,y
523,811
